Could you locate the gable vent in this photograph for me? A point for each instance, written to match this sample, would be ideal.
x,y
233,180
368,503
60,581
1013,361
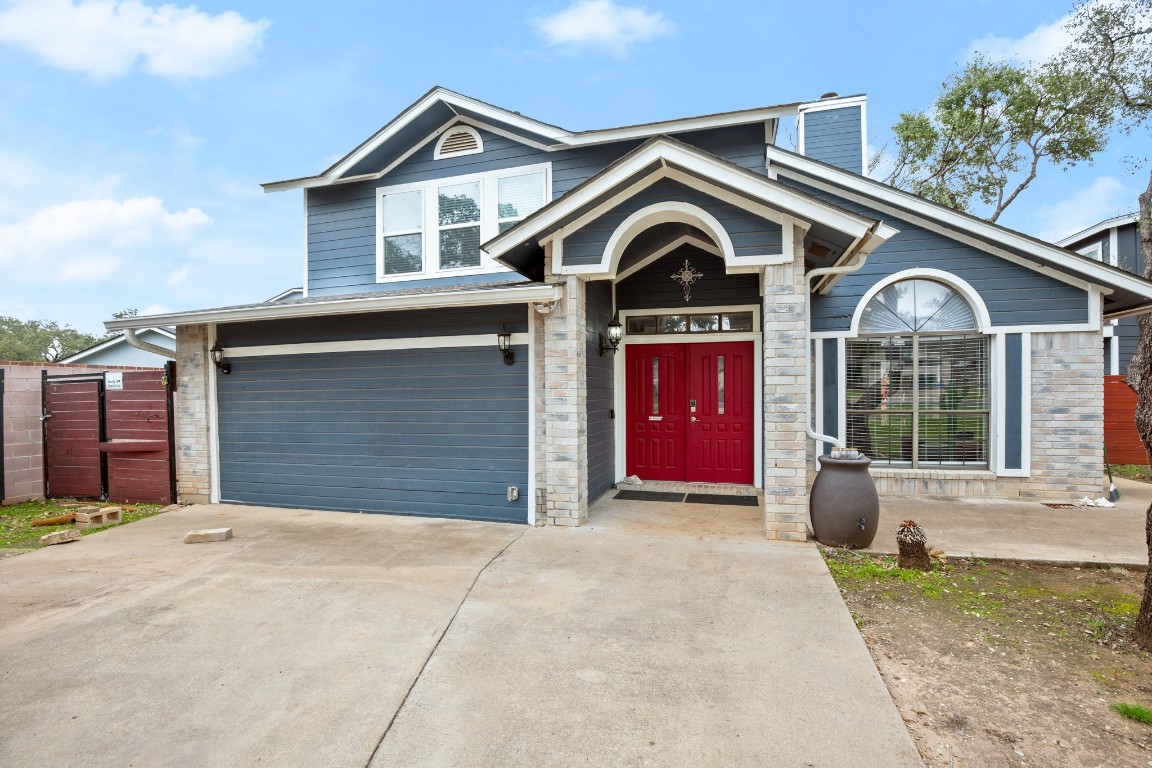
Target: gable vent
x,y
459,140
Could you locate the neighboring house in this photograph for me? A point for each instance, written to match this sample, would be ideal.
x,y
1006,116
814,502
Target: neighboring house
x,y
117,350
289,295
466,268
1115,241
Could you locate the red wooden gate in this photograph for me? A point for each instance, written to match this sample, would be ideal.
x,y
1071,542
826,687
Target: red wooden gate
x,y
110,436
1120,436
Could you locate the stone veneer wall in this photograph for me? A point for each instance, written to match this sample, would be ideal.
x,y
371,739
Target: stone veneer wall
x,y
785,442
193,462
1067,437
563,452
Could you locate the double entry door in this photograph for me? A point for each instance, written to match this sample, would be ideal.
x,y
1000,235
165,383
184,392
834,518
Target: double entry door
x,y
690,412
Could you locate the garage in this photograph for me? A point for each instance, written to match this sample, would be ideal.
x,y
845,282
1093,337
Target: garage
x,y
424,429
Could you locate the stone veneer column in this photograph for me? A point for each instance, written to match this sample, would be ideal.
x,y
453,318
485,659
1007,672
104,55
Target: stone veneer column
x,y
785,442
565,440
193,462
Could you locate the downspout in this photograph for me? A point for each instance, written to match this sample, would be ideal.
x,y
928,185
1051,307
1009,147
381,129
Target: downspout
x,y
156,349
861,258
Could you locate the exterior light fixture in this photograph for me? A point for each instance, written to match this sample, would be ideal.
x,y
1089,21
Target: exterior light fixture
x,y
222,365
615,334
504,338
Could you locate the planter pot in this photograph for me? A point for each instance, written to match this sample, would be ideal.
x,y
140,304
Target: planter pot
x,y
844,506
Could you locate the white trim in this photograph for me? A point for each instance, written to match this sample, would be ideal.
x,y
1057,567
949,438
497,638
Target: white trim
x,y
307,227
1025,405
832,102
1095,251
818,394
939,219
667,212
665,152
213,419
374,345
438,152
346,306
659,253
1114,247
531,491
619,378
489,224
1116,221
452,100
979,311
108,343
842,390
680,125
1114,354
997,358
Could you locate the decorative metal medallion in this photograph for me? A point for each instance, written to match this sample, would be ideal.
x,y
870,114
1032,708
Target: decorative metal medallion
x,y
686,276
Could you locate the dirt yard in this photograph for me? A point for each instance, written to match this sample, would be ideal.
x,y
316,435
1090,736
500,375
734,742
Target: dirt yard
x,y
998,664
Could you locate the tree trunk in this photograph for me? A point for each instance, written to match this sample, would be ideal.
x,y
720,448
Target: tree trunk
x,y
1140,379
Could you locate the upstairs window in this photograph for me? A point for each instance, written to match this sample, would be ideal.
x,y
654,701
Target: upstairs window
x,y
435,228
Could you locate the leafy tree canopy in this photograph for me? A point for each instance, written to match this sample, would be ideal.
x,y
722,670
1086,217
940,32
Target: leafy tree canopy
x,y
40,340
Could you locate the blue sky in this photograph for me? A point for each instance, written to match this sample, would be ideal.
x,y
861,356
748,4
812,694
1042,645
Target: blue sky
x,y
134,135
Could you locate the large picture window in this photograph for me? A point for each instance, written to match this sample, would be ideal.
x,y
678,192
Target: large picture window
x,y
435,228
917,379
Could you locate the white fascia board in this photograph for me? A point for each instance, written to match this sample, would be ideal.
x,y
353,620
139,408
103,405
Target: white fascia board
x,y
665,152
1118,221
338,306
833,103
933,216
682,125
114,341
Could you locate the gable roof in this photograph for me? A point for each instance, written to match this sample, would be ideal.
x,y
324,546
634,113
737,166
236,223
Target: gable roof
x,y
665,157
1127,294
1095,229
440,108
117,340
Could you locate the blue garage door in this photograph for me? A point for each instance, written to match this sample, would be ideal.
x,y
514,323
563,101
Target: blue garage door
x,y
440,432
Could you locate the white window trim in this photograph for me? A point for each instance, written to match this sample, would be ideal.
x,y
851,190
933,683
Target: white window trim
x,y
1094,251
489,220
438,153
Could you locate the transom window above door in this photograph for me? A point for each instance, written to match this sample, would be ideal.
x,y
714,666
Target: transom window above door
x,y
435,228
711,322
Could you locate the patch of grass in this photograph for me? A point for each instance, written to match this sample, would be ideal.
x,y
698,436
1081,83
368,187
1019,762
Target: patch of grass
x,y
1133,712
1133,471
17,532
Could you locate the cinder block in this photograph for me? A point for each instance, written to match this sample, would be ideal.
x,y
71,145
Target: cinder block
x,y
60,537
207,535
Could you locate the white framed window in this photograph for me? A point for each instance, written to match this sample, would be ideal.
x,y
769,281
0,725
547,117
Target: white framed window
x,y
435,228
1094,251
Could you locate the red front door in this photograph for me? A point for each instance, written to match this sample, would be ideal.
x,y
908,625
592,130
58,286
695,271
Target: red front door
x,y
690,412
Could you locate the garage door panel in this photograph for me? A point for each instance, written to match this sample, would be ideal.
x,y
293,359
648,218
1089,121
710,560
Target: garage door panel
x,y
378,432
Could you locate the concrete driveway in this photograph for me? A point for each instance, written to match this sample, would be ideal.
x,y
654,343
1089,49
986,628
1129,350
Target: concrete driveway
x,y
330,639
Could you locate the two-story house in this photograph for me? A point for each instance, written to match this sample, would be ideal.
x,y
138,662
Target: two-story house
x,y
502,319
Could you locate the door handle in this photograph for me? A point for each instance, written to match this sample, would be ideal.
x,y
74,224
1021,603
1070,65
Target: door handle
x,y
694,419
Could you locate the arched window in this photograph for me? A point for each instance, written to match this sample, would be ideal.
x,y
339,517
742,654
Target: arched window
x,y
917,379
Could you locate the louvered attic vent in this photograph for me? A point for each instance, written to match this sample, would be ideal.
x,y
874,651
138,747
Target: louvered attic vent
x,y
459,140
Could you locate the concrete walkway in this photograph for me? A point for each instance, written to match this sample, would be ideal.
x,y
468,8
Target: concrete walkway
x,y
314,638
1026,530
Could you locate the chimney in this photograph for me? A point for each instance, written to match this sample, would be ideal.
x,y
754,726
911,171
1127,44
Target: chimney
x,y
833,130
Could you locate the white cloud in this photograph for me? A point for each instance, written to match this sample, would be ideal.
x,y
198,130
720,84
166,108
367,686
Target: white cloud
x,y
155,309
87,240
603,25
179,276
1105,198
105,38
1039,45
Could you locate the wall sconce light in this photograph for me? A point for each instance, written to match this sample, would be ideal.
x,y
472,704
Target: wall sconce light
x,y
222,365
615,334
504,338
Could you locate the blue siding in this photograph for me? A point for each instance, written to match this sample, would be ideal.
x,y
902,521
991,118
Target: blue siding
x,y
834,136
1013,400
460,321
414,432
1013,294
831,395
342,219
750,234
601,424
653,287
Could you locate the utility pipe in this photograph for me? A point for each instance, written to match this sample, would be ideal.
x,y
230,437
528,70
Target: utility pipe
x,y
861,258
156,349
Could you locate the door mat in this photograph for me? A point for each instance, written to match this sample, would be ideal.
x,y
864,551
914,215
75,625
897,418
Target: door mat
x,y
724,499
649,496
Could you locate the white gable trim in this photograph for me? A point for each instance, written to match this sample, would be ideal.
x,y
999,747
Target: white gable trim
x,y
664,213
951,223
1117,221
84,354
659,253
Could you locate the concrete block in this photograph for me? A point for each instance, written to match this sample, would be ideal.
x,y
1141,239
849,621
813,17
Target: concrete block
x,y
60,537
207,535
